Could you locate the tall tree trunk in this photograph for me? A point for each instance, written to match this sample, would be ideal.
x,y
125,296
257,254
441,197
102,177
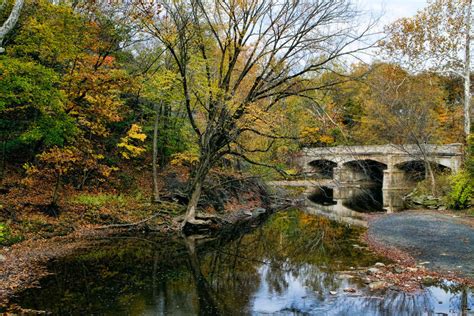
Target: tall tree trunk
x,y
11,21
196,188
467,73
156,193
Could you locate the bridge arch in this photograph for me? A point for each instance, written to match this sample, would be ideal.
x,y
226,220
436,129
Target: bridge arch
x,y
365,170
322,168
415,169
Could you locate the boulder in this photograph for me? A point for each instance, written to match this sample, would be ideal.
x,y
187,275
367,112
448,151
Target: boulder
x,y
378,285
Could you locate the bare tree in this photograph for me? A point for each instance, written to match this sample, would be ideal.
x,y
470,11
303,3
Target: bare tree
x,y
238,60
402,111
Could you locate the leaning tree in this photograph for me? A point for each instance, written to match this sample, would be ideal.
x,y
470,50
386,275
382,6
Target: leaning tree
x,y
238,60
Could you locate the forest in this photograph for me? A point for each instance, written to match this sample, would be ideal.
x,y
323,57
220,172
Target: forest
x,y
112,106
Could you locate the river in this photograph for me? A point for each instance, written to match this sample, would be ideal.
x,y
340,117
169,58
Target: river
x,y
291,263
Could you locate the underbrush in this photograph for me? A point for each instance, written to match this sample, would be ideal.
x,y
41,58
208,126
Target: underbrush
x,y
99,200
453,191
7,237
462,191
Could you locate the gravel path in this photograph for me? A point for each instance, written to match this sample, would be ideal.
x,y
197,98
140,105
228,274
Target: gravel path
x,y
443,241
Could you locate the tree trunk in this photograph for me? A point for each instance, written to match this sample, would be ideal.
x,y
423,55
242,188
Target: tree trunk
x,y
156,193
193,202
11,21
467,73
56,190
430,174
196,188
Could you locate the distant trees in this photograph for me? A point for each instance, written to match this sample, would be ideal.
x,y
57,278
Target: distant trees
x,y
438,38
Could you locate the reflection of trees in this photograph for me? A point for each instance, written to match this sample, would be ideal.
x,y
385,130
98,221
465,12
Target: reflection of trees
x,y
224,275
209,303
290,244
391,303
459,299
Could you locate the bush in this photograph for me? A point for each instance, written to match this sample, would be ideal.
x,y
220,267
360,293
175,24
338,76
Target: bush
x,y
470,155
462,191
6,236
3,233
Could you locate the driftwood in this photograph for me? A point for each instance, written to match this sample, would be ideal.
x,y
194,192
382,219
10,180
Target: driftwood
x,y
130,224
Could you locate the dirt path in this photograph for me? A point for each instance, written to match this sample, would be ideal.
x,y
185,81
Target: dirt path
x,y
442,241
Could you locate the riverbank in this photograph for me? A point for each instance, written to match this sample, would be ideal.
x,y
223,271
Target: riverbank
x,y
424,245
35,238
25,263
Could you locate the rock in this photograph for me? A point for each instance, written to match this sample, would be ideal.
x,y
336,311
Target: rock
x,y
258,211
394,288
373,271
378,285
367,280
349,290
379,265
333,292
412,269
428,279
398,270
345,276
433,203
2,258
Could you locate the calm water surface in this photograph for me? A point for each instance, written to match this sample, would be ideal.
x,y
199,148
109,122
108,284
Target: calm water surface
x,y
287,265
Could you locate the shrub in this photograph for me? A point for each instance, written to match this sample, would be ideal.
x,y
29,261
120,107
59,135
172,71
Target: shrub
x,y
462,191
470,155
6,236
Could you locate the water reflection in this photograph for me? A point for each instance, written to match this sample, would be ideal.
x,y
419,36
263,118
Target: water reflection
x,y
287,266
348,203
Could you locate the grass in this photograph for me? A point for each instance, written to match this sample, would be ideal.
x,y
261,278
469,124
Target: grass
x,y
99,200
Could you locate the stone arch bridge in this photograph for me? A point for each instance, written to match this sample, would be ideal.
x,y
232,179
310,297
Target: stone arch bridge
x,y
393,166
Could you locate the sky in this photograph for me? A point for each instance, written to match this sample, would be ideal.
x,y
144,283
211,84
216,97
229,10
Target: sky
x,y
392,9
387,11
